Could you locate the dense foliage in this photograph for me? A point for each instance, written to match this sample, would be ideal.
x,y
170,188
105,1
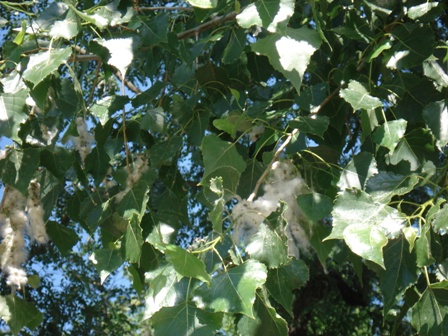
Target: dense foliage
x,y
263,167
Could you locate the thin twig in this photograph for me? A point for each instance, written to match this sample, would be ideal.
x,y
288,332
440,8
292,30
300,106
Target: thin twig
x,y
186,9
268,168
207,25
327,100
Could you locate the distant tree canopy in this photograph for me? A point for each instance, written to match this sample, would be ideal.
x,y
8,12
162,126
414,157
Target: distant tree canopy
x,y
266,167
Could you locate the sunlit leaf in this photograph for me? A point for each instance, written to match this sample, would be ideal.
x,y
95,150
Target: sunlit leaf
x,y
388,134
436,117
186,263
165,290
12,113
268,247
234,290
270,14
385,185
203,3
290,52
360,168
44,63
359,98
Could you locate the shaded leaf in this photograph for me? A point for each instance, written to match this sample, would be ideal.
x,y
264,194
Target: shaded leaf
x,y
266,322
63,237
185,263
385,185
290,52
282,281
135,200
18,313
133,240
221,159
423,247
105,261
185,319
315,124
429,314
315,206
401,272
234,290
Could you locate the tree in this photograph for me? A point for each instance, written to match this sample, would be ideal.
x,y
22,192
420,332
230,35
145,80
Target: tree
x,y
259,168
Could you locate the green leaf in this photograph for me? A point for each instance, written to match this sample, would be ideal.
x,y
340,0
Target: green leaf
x,y
67,28
440,221
215,215
20,168
164,290
290,52
360,168
220,155
12,113
423,247
186,264
315,206
401,272
268,247
358,97
121,52
418,11
135,200
436,117
266,322
105,107
162,153
364,224
270,14
234,290
154,120
282,281
235,47
315,124
63,237
433,70
20,36
203,3
413,44
389,134
185,319
385,185
366,241
44,63
322,247
133,239
18,313
97,164
429,314
105,261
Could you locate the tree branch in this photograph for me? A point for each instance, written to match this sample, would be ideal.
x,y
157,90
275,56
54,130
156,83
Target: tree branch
x,y
268,168
207,25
